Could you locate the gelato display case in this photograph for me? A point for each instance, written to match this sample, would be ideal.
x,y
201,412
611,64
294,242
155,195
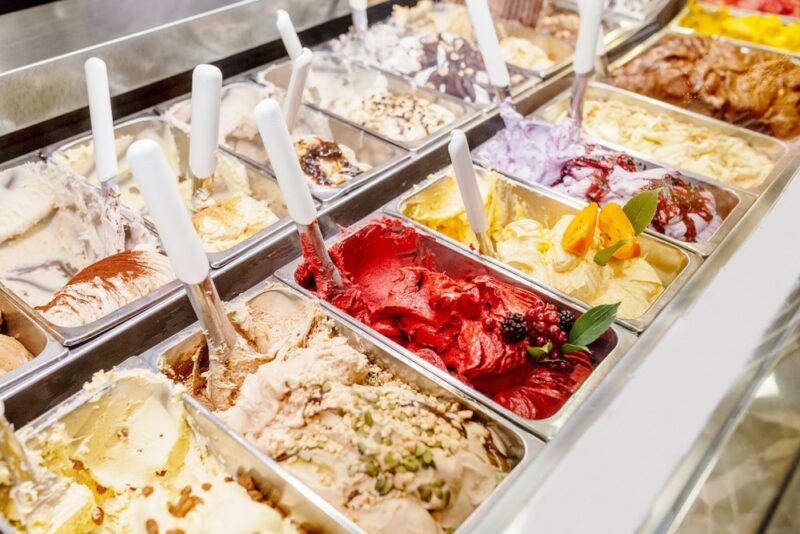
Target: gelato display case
x,y
621,331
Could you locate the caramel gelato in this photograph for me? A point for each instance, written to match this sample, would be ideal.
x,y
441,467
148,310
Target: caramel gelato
x,y
750,88
12,352
387,455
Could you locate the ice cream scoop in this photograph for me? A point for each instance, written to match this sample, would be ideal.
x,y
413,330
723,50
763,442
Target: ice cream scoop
x,y
206,90
278,143
486,36
185,251
301,66
288,34
470,193
591,13
103,134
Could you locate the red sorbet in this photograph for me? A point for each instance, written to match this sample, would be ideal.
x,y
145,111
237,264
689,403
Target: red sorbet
x,y
391,284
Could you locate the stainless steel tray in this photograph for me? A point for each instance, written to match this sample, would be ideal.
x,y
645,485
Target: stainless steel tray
x,y
263,185
279,72
521,447
777,151
674,29
674,265
305,508
610,347
731,204
72,335
382,156
21,326
675,25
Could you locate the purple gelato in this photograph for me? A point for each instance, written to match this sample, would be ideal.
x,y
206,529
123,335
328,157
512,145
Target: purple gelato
x,y
548,155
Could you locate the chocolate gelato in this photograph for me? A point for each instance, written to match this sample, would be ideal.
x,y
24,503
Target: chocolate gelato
x,y
750,88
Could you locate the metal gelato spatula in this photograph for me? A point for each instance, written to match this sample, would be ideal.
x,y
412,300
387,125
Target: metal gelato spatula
x,y
185,250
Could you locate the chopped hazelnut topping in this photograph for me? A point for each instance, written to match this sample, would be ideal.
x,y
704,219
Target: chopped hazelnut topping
x,y
151,526
98,515
147,491
185,504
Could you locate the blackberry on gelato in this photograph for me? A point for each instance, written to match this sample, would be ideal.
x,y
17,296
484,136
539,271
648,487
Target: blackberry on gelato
x,y
750,88
550,156
477,328
387,455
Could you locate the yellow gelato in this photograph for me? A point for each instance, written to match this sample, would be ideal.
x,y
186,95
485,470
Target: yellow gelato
x,y
728,158
132,463
769,30
534,247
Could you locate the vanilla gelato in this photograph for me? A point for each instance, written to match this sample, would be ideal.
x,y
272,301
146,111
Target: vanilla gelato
x,y
57,226
133,463
731,159
228,222
385,454
534,247
523,53
230,180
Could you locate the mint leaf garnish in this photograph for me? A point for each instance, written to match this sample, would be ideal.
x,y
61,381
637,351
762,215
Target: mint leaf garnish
x,y
569,348
592,324
641,209
604,256
538,353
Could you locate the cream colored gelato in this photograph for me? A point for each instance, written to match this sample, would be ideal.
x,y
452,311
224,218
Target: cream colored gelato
x,y
523,53
133,461
534,247
228,222
399,117
390,457
230,180
107,285
731,159
56,228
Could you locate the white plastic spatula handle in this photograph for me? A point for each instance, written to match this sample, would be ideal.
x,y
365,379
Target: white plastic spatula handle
x,y
467,182
105,153
297,84
159,188
206,91
359,15
591,14
483,25
272,127
288,34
